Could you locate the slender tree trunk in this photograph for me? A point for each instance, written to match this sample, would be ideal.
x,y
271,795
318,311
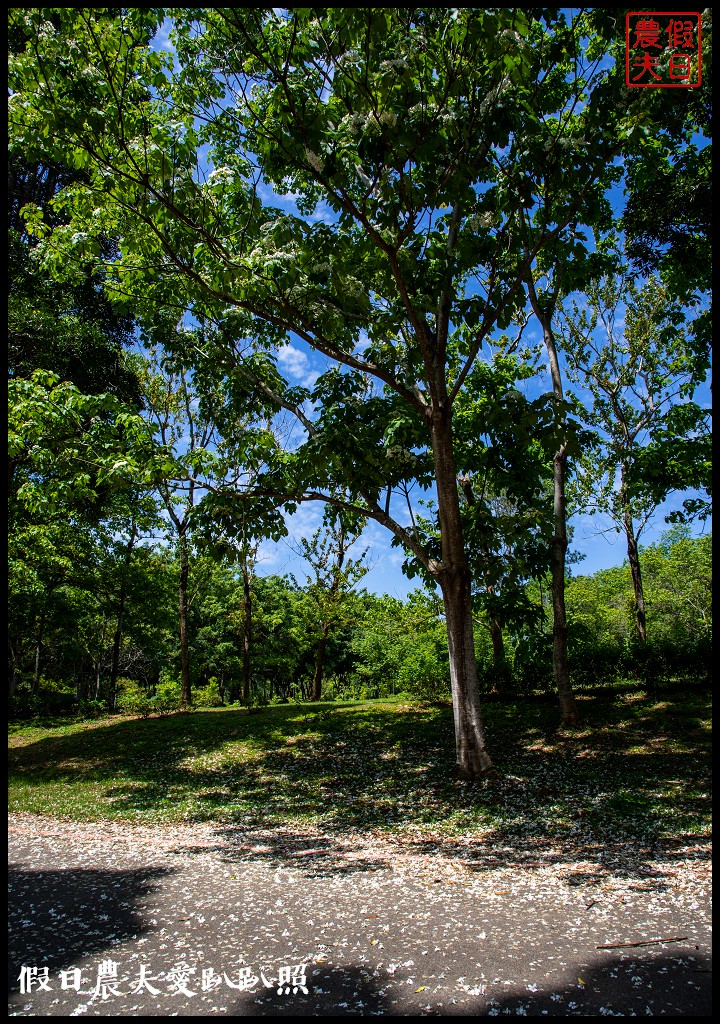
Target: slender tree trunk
x,y
498,644
502,679
185,690
634,560
38,649
569,714
247,631
12,676
117,639
453,576
98,664
320,664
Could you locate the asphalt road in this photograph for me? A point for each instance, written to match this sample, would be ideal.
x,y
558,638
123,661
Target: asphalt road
x,y
106,922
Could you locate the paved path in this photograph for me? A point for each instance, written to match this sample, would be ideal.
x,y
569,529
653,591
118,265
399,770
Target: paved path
x,y
189,921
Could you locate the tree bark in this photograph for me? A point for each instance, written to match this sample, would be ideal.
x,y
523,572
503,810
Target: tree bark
x,y
13,667
98,677
247,631
185,689
498,644
117,639
453,576
38,647
569,714
634,559
320,664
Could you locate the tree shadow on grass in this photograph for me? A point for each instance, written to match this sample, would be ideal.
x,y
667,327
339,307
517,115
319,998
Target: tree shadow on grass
x,y
619,794
58,917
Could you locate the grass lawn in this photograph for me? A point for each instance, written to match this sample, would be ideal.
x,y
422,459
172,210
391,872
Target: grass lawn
x,y
637,772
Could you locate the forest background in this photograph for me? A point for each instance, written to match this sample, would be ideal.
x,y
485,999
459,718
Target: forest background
x,y
233,274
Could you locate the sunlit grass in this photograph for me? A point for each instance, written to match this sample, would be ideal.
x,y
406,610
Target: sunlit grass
x,y
635,770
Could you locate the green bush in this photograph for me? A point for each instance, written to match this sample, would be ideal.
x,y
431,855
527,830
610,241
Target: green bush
x,y
532,663
52,698
425,672
91,709
133,699
25,704
497,678
207,696
167,696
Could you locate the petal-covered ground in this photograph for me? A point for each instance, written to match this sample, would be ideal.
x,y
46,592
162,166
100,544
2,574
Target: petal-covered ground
x,y
118,919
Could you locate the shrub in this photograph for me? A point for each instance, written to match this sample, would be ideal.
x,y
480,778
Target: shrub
x,y
133,699
207,696
91,709
25,704
167,696
532,663
425,673
52,698
497,678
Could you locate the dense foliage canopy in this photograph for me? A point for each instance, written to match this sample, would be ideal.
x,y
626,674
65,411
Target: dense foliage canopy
x,y
400,191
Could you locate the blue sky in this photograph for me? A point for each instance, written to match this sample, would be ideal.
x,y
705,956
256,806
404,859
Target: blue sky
x,y
594,536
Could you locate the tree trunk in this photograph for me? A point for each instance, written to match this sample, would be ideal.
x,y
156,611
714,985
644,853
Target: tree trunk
x,y
472,758
498,644
320,664
569,714
185,690
634,560
501,677
453,576
117,639
247,631
38,647
12,680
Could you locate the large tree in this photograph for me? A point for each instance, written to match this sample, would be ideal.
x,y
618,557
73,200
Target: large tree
x,y
70,329
411,140
331,583
628,349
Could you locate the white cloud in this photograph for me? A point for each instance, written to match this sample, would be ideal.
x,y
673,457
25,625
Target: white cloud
x,y
161,40
323,213
363,343
268,555
295,363
272,198
305,520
